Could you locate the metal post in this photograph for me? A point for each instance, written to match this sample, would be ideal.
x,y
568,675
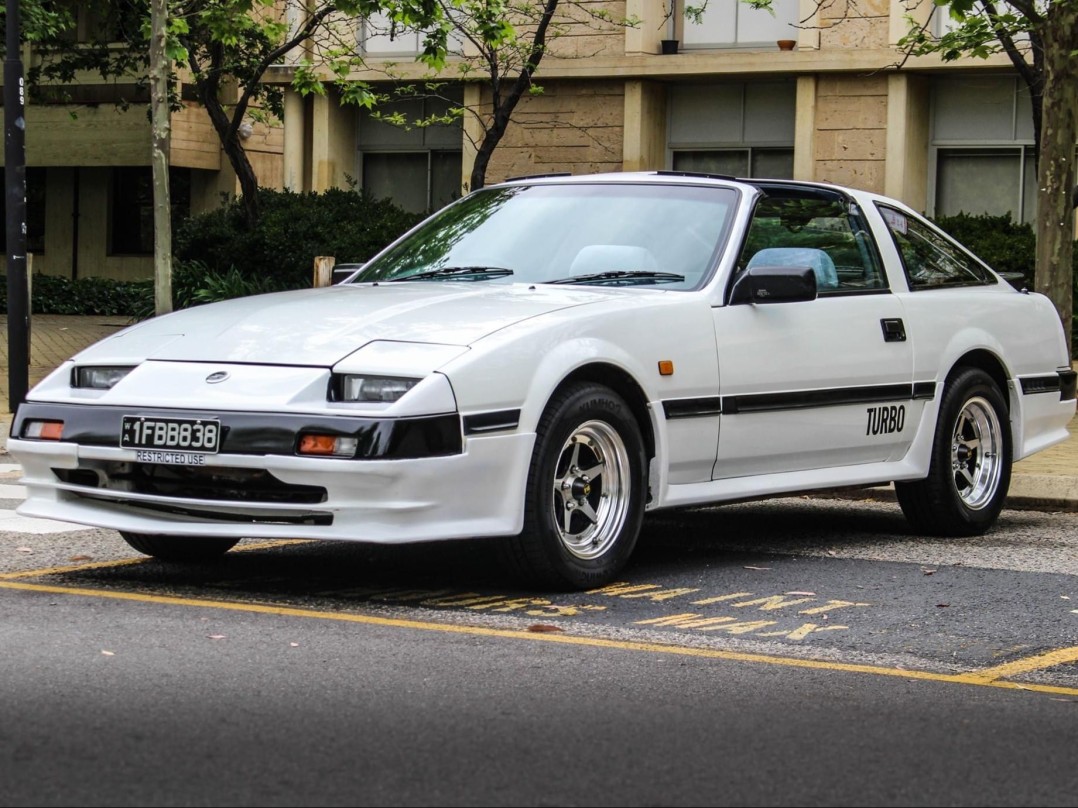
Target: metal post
x,y
18,304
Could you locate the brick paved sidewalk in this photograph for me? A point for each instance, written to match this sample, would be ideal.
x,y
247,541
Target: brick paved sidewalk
x,y
54,338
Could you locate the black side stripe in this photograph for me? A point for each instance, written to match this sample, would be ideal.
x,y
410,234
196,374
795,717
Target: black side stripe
x,y
692,407
491,421
1063,381
772,402
1040,384
1068,385
924,390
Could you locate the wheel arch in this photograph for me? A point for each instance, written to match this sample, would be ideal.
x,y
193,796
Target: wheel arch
x,y
622,383
991,364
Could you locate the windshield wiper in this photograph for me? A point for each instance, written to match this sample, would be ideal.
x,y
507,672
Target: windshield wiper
x,y
624,277
456,273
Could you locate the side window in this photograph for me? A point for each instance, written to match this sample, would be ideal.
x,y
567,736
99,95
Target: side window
x,y
930,259
827,234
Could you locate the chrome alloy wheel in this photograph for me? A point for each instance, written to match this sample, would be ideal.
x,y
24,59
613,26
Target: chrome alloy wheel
x,y
975,453
591,489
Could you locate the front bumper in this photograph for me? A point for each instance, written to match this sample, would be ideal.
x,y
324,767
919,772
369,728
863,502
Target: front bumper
x,y
413,479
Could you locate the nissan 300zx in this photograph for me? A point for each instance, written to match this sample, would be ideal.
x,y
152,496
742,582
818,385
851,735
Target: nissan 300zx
x,y
548,359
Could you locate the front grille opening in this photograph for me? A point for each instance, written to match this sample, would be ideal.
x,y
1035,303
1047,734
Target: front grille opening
x,y
310,518
220,483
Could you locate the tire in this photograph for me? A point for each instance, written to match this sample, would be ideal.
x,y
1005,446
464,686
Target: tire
x,y
586,492
970,472
180,548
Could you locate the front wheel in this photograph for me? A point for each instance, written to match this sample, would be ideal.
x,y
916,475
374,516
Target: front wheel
x,y
970,471
586,491
179,548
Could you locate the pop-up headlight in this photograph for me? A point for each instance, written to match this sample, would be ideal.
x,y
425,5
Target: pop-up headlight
x,y
102,377
351,387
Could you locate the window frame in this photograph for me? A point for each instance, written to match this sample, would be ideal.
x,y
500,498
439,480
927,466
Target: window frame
x,y
679,26
858,223
990,277
428,152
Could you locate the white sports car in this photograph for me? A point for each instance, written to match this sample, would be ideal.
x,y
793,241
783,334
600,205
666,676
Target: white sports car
x,y
548,359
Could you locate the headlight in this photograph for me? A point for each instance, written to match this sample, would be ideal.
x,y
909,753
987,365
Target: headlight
x,y
98,378
349,387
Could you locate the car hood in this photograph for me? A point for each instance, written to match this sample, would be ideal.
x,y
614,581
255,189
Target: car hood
x,y
322,326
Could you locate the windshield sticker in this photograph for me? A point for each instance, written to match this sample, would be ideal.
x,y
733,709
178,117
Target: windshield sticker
x,y
895,220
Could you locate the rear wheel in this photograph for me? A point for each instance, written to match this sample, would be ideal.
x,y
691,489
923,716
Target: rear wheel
x,y
586,491
179,548
970,471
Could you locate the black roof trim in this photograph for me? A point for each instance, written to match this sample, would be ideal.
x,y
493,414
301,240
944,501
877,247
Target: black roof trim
x,y
539,176
669,173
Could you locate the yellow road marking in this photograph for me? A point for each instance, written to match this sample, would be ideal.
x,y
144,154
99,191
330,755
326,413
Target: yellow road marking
x,y
1049,659
979,678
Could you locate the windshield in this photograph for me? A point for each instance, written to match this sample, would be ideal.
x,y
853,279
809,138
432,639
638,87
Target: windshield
x,y
597,234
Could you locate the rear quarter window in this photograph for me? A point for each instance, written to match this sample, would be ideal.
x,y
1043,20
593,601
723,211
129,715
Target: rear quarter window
x,y
929,258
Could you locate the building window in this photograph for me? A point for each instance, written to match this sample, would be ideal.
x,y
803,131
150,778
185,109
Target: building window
x,y
380,36
743,129
102,22
131,207
749,162
981,156
993,181
417,167
732,23
943,23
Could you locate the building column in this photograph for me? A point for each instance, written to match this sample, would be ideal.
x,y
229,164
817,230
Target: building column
x,y
906,170
333,142
652,27
294,146
805,129
644,142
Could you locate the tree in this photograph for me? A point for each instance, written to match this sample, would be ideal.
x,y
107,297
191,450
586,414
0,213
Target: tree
x,y
497,44
161,123
224,48
1040,38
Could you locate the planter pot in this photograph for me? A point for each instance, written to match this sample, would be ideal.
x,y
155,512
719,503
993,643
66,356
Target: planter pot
x,y
787,44
669,45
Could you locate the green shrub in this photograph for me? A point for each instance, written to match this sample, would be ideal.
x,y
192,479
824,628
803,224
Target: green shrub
x,y
216,257
294,228
1007,246
101,296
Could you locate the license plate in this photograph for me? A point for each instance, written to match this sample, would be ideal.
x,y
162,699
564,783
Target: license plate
x,y
186,434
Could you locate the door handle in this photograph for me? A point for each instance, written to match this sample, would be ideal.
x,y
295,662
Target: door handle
x,y
893,329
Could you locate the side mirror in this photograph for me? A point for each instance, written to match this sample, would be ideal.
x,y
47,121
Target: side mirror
x,y
342,272
782,284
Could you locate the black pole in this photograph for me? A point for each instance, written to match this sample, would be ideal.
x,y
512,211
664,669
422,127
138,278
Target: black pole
x,y
18,306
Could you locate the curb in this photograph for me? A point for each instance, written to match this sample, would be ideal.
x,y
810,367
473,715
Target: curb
x,y
1043,491
1031,492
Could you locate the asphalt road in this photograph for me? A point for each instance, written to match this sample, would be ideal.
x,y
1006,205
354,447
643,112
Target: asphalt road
x,y
793,652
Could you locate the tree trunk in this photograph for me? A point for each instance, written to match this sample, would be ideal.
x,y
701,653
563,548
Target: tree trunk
x,y
505,105
228,134
1056,175
159,157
